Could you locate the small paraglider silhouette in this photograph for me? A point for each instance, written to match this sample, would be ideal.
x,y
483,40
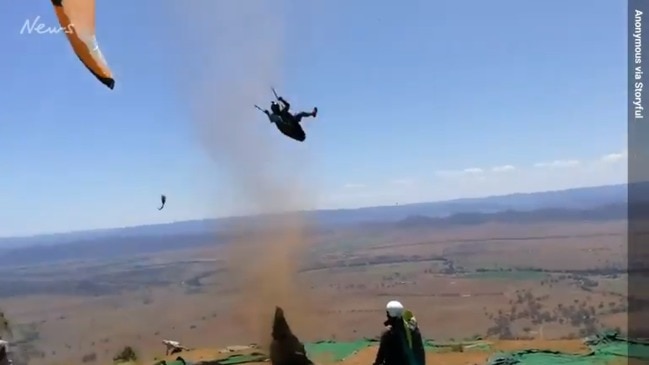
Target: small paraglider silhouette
x,y
163,200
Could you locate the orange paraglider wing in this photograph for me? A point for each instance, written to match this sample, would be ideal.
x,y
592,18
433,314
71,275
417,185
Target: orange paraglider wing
x,y
77,18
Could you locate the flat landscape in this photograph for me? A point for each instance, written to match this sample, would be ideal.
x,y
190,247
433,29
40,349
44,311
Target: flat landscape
x,y
526,281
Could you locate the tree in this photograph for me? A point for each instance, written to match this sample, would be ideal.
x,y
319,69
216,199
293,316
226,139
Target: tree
x,y
5,326
126,355
89,358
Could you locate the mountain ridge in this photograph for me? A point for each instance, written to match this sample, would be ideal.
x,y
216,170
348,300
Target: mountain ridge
x,y
118,247
576,198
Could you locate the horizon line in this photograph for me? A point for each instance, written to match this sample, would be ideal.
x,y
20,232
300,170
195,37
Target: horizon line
x,y
302,211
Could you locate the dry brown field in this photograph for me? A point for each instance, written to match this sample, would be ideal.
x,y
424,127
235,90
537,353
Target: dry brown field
x,y
457,281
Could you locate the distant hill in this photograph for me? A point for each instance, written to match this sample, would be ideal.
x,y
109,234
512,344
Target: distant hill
x,y
587,204
602,213
107,248
120,246
169,229
575,199
578,198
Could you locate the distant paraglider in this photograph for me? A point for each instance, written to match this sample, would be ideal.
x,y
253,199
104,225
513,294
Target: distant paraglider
x,y
163,200
287,122
77,17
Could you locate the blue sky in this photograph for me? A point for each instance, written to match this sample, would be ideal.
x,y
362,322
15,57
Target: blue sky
x,y
419,100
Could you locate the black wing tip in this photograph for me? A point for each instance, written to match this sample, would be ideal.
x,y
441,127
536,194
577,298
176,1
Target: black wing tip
x,y
108,82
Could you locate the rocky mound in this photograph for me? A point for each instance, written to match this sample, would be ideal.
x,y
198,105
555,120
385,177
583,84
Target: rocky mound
x,y
286,348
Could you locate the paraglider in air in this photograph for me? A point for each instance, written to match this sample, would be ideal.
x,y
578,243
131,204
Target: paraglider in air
x,y
287,122
163,200
77,17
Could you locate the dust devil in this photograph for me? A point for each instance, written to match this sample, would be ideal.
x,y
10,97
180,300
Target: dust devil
x,y
286,349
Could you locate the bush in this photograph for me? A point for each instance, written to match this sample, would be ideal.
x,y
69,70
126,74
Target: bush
x,y
126,355
89,358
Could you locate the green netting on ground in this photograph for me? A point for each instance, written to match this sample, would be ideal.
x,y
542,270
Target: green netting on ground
x,y
607,348
610,344
433,346
242,359
537,357
336,351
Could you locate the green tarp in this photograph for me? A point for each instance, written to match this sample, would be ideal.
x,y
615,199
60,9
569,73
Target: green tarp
x,y
433,346
336,351
243,359
606,348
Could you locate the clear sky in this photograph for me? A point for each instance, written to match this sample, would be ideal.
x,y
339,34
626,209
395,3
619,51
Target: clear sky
x,y
419,100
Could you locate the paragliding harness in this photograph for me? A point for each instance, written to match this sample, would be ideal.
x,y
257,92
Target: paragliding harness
x,y
286,123
409,324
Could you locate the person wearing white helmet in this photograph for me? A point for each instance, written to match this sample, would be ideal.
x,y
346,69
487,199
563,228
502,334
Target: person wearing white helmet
x,y
401,341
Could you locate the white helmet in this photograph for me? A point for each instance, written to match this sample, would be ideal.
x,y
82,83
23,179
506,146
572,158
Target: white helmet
x,y
394,309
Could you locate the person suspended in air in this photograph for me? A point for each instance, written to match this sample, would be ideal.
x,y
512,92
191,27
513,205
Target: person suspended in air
x,y
284,112
287,122
275,113
163,201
